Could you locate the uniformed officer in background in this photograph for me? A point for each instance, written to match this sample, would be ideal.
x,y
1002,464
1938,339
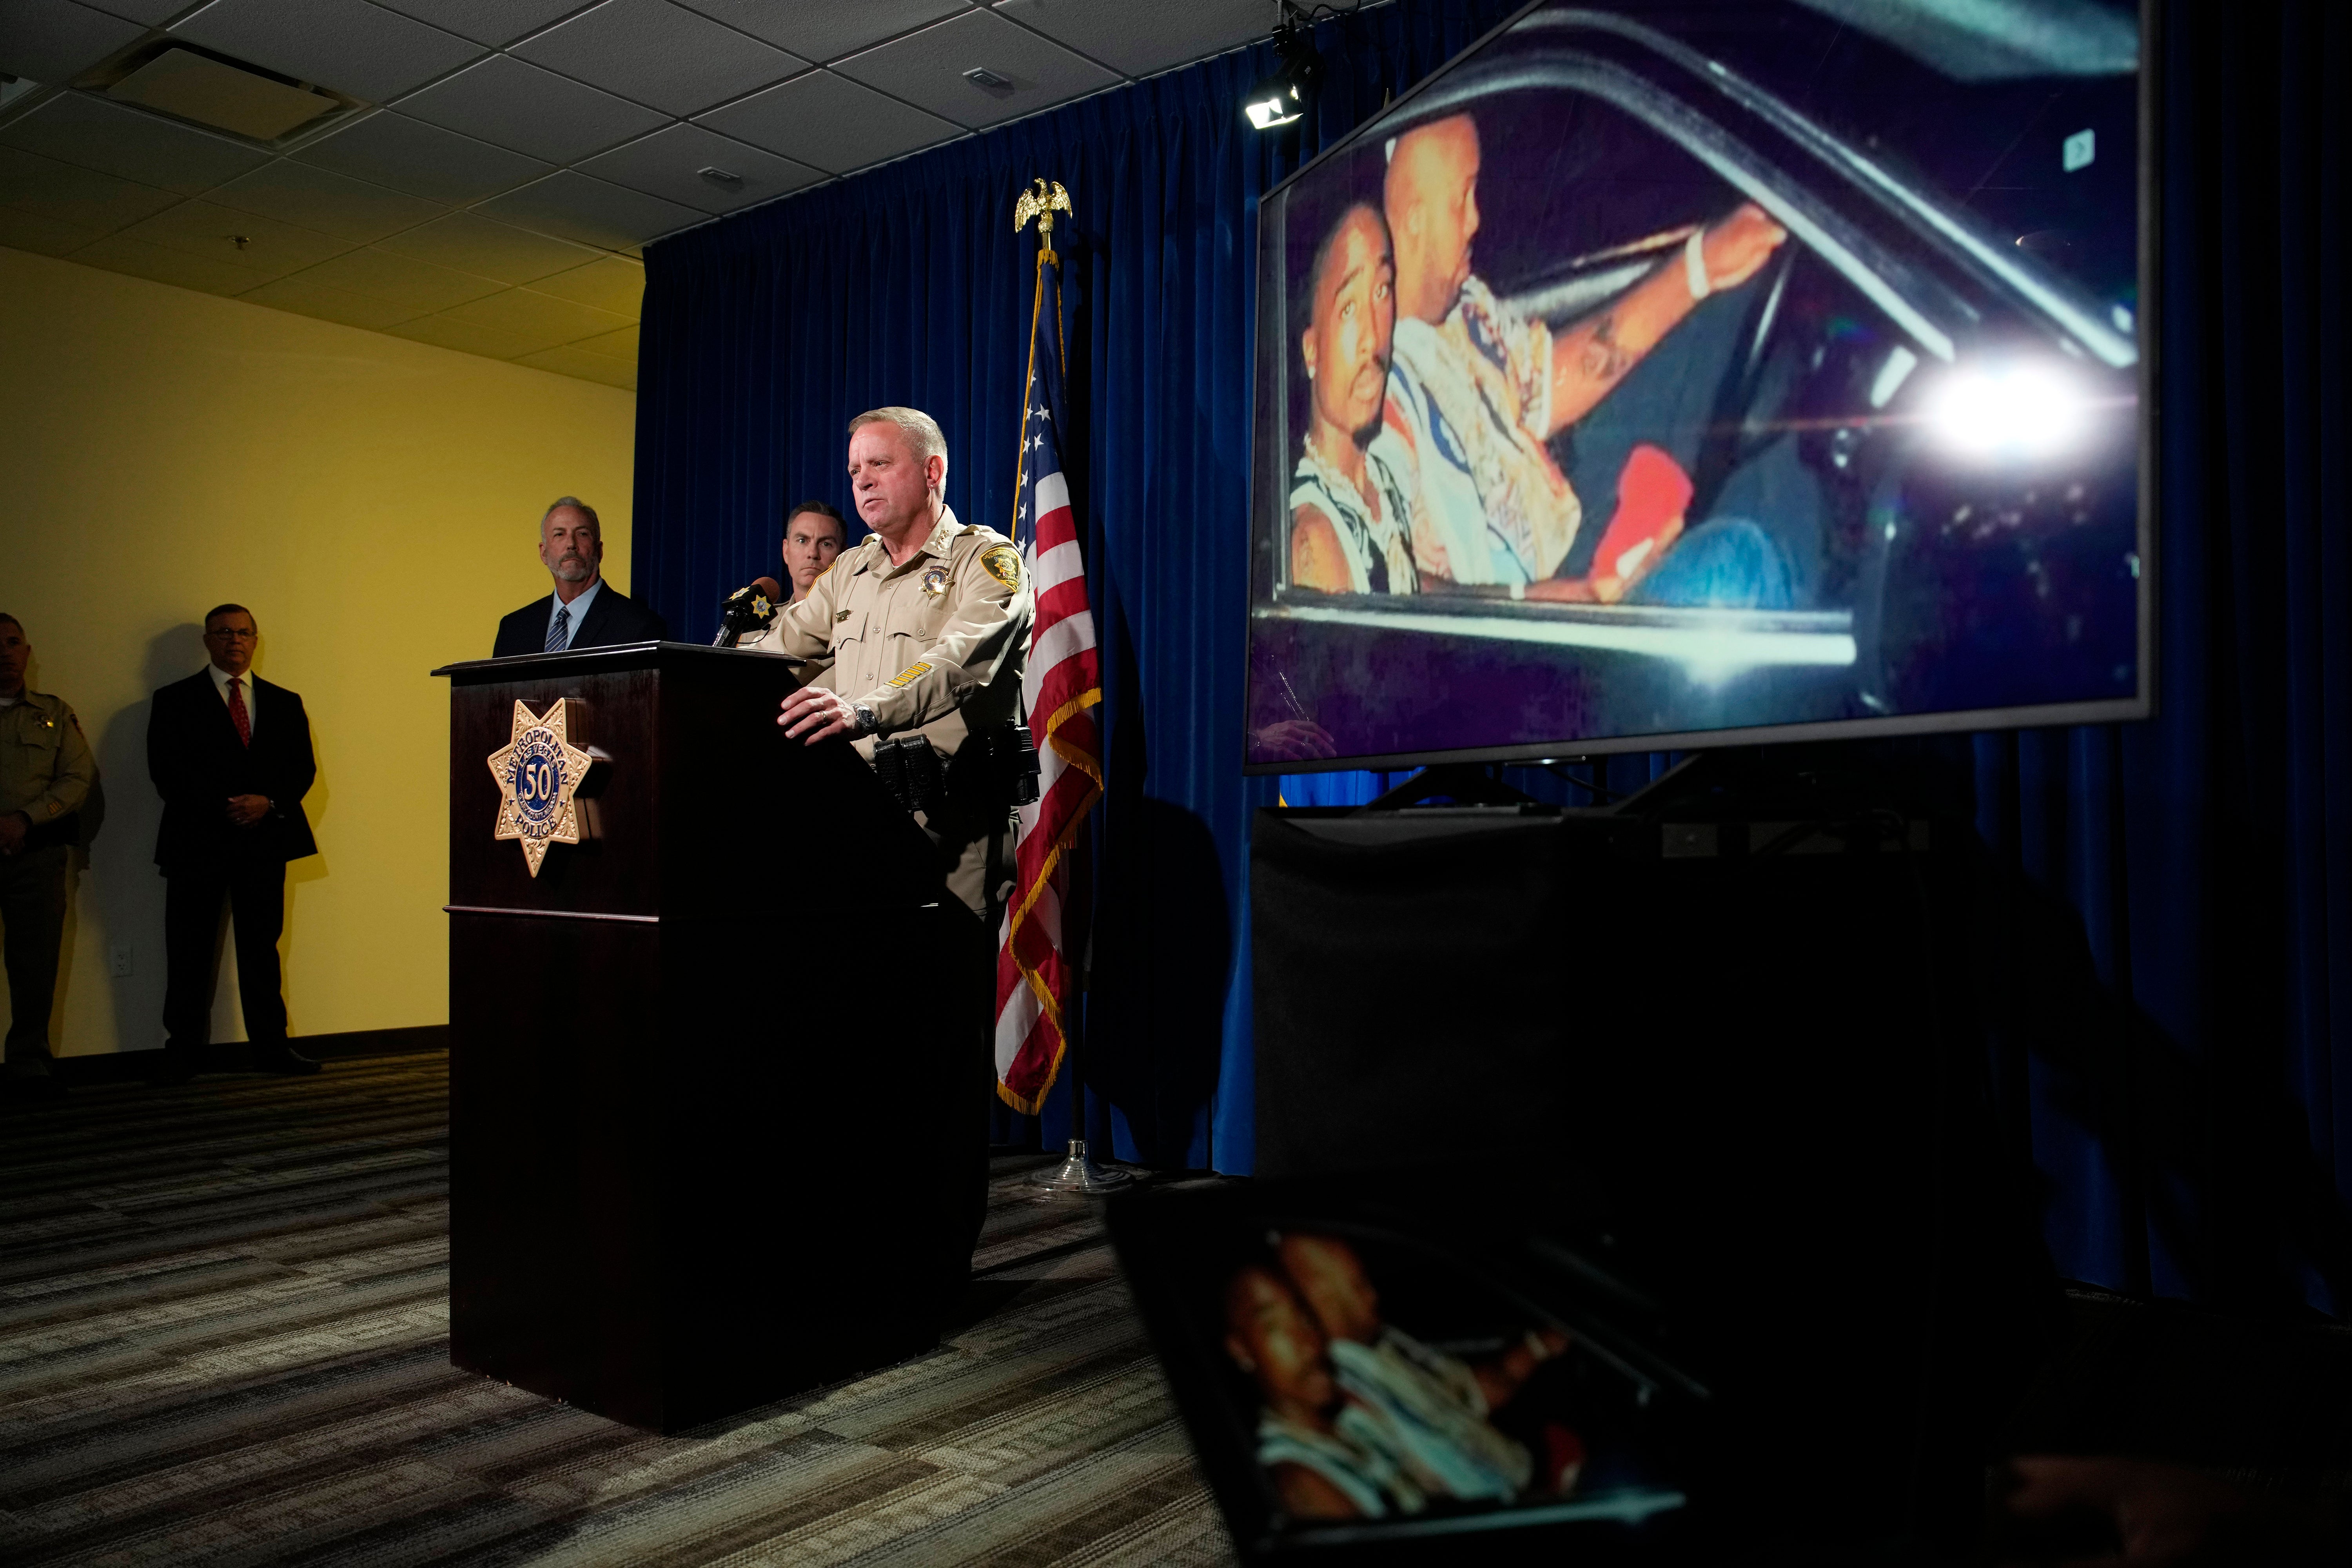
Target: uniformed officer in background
x,y
47,773
927,623
814,536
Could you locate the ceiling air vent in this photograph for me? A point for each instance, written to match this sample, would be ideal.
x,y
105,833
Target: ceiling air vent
x,y
210,92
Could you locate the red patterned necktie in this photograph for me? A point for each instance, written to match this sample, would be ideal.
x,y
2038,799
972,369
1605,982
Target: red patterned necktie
x,y
237,714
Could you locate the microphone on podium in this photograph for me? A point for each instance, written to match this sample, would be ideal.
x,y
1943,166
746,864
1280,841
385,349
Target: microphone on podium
x,y
747,610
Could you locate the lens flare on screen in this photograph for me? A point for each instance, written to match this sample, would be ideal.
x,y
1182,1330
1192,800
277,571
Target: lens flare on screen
x,y
2028,408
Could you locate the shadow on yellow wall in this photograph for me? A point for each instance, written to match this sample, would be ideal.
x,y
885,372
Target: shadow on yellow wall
x,y
375,501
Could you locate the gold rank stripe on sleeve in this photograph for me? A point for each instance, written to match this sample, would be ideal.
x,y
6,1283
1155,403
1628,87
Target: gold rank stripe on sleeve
x,y
909,675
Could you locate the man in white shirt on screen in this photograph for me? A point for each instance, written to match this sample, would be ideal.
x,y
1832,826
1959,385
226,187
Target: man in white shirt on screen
x,y
1476,390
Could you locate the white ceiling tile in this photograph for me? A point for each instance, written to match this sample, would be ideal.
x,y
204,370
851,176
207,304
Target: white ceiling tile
x,y
659,54
305,295
42,236
55,40
829,122
669,162
269,247
465,337
323,200
46,188
390,149
493,22
97,134
608,283
1141,39
346,45
927,69
542,318
621,346
415,286
582,366
826,30
511,104
570,206
466,242
164,264
147,13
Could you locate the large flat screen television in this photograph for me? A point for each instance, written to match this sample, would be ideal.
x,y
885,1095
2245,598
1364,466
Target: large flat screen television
x,y
1675,376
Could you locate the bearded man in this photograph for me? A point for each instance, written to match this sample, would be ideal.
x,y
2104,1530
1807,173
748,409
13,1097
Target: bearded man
x,y
584,611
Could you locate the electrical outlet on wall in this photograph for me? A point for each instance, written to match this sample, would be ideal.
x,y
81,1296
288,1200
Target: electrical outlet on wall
x,y
117,959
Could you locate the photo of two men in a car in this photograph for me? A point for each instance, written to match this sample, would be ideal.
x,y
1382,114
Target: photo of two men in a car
x,y
1612,393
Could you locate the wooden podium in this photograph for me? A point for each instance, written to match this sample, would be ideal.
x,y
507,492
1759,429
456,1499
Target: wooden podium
x,y
715,1120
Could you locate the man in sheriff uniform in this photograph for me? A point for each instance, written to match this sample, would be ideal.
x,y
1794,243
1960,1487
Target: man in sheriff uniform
x,y
926,621
45,774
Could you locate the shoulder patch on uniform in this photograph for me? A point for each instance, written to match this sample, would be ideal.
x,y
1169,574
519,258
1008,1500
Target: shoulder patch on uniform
x,y
909,675
1003,564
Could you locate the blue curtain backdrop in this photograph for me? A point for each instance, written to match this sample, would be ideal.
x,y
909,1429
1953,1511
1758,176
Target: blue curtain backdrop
x,y
2204,1149
2206,1152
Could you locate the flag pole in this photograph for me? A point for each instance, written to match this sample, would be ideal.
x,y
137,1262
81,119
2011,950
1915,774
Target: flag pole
x,y
1077,1172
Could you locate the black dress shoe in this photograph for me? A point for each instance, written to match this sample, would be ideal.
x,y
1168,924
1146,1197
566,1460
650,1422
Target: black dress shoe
x,y
285,1060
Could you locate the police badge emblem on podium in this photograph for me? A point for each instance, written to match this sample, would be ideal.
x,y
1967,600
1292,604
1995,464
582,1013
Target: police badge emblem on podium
x,y
538,771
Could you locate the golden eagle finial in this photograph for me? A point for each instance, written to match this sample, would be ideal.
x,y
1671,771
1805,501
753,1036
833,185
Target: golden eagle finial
x,y
1042,205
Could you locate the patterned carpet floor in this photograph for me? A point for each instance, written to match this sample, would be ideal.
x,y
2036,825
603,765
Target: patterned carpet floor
x,y
224,1318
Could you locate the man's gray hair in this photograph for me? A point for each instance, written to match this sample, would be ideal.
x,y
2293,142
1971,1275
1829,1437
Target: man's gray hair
x,y
922,431
576,504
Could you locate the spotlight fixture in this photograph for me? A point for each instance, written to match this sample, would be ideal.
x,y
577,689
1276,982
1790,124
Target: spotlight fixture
x,y
1283,98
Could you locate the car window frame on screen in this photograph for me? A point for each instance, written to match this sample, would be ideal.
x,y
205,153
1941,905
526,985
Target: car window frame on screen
x,y
1628,385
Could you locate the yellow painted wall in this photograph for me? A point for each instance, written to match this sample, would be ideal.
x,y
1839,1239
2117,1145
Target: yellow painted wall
x,y
376,501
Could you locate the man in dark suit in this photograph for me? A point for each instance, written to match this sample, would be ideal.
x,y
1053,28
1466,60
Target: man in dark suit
x,y
584,611
231,756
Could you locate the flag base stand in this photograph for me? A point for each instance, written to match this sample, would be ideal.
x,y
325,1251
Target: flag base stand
x,y
1078,1174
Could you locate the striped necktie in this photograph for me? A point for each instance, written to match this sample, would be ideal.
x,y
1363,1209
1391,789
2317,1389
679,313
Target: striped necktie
x,y
559,630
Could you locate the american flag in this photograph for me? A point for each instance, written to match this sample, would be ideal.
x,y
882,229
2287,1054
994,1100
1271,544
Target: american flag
x,y
1060,689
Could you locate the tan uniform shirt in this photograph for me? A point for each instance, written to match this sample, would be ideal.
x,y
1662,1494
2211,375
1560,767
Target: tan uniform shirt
x,y
46,765
935,644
